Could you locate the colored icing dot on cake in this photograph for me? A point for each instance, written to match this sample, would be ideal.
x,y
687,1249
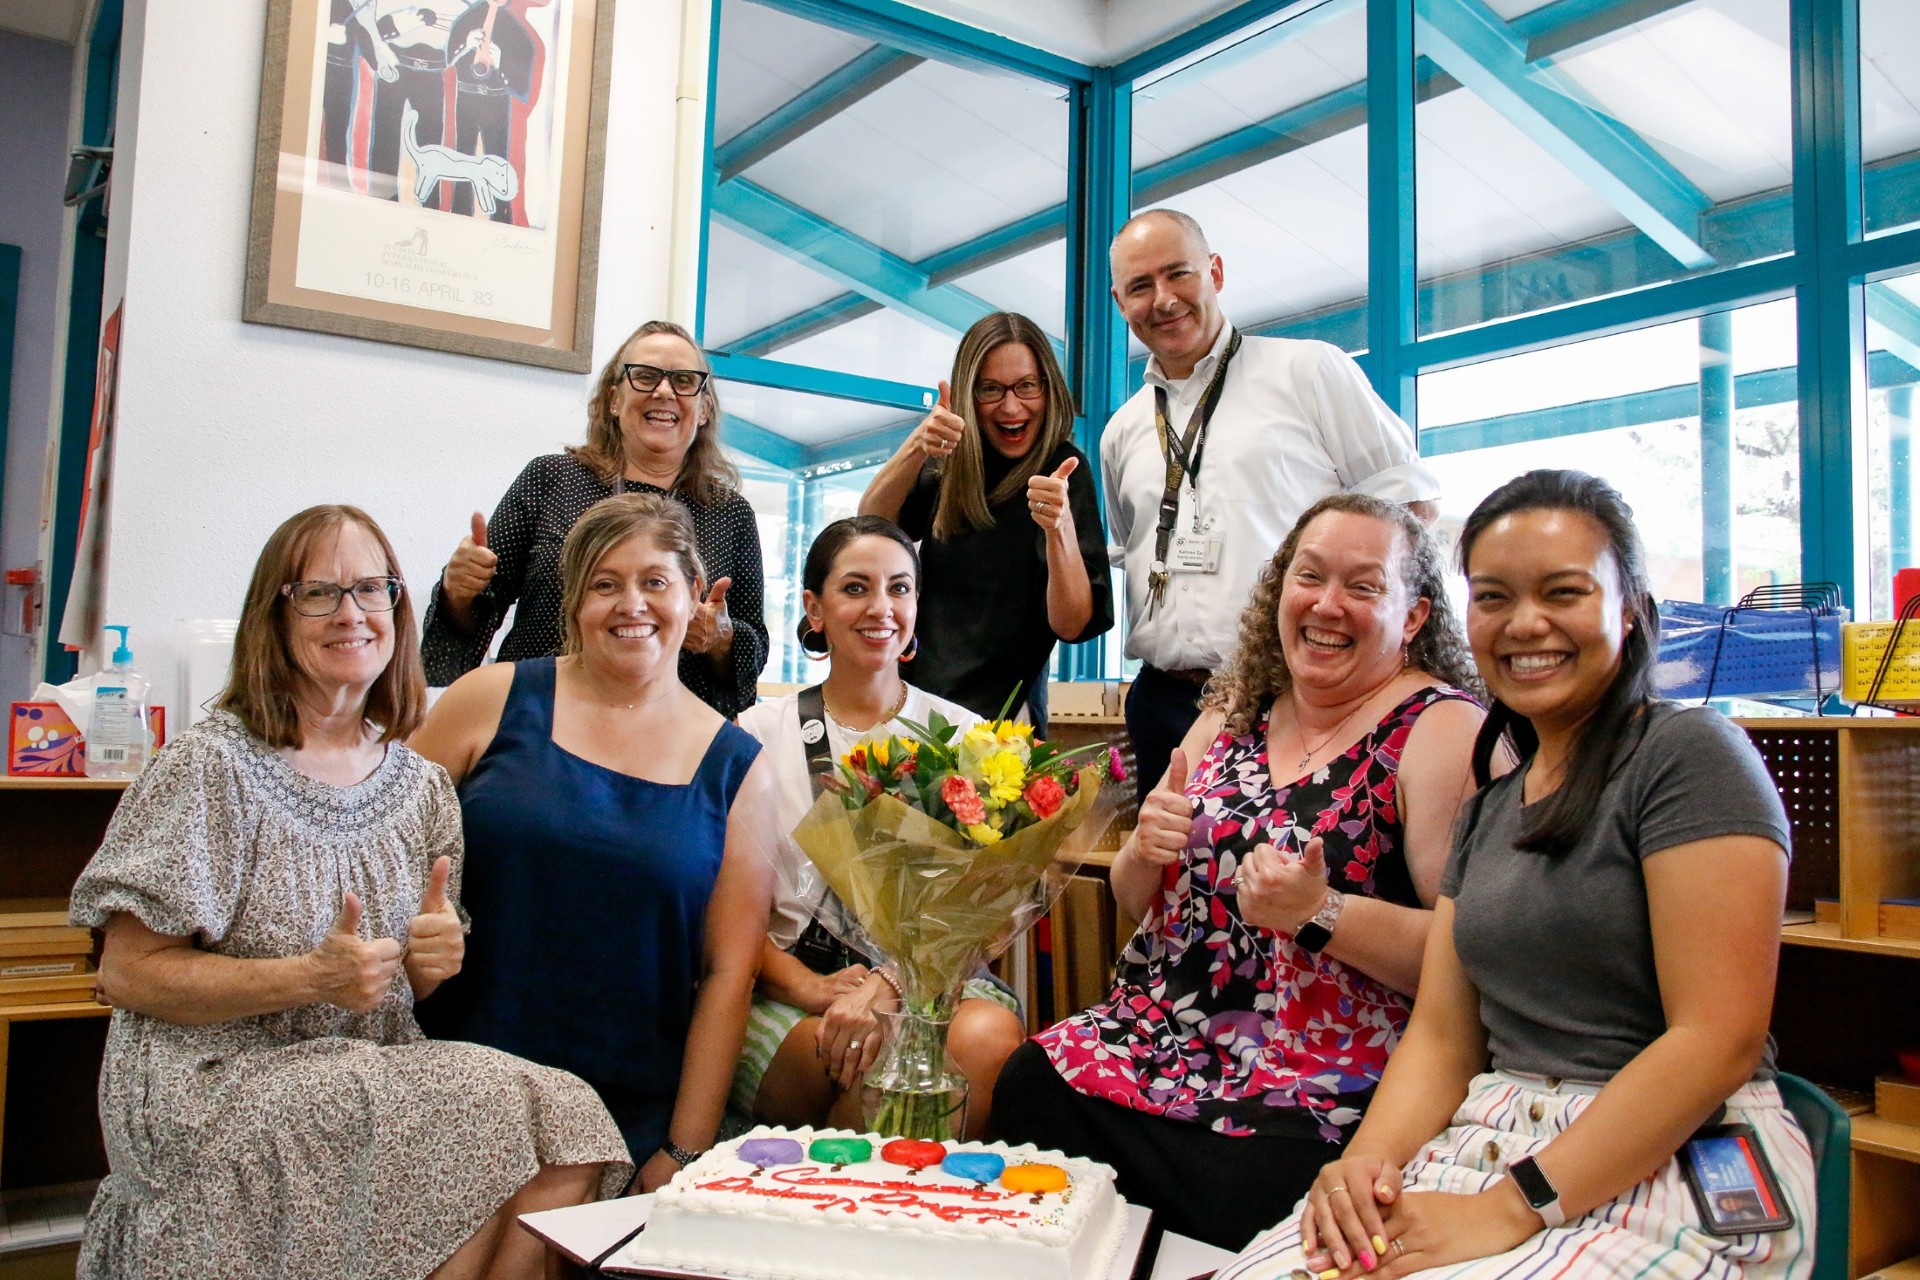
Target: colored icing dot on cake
x,y
981,1166
840,1150
913,1153
1035,1178
764,1153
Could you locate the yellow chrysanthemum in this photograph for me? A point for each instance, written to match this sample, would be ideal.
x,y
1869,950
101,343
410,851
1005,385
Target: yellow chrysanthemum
x,y
1004,774
878,752
981,833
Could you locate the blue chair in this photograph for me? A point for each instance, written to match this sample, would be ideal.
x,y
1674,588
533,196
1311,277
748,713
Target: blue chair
x,y
1830,1135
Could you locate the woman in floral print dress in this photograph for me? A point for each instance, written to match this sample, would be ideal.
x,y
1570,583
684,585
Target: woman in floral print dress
x,y
1285,885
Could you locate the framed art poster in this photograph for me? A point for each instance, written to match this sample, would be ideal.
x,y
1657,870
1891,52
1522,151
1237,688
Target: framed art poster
x,y
428,172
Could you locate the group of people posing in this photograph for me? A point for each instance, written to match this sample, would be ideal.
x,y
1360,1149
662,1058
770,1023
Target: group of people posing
x,y
387,977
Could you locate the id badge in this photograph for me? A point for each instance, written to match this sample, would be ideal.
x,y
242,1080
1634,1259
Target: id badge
x,y
1194,553
1733,1183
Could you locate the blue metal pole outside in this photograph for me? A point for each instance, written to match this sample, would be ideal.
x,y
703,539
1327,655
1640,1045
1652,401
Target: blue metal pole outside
x,y
709,173
1716,458
1901,515
1830,317
1392,258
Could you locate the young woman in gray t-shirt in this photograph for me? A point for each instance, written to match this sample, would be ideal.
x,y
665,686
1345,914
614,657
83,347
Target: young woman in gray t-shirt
x,y
1598,981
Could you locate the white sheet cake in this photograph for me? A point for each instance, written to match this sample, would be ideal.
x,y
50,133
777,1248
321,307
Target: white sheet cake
x,y
826,1204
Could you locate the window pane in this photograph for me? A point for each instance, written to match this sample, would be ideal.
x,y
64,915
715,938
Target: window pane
x,y
1890,113
1265,143
1893,367
774,494
1628,408
872,204
1561,156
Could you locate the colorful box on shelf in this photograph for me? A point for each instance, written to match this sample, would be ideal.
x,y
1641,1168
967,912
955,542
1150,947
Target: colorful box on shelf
x,y
1707,651
1900,918
1863,644
1897,1098
43,743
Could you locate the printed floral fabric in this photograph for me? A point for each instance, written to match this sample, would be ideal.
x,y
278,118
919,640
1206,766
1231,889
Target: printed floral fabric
x,y
1231,1025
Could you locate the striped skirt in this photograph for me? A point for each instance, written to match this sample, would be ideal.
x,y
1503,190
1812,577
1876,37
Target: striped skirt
x,y
1652,1232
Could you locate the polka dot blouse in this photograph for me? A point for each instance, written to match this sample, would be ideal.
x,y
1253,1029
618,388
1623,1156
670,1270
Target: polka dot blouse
x,y
526,532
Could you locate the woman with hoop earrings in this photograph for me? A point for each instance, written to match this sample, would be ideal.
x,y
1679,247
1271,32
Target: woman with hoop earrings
x,y
814,1029
1003,507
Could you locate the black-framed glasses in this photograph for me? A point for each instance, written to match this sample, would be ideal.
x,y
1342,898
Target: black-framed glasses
x,y
645,377
322,599
995,392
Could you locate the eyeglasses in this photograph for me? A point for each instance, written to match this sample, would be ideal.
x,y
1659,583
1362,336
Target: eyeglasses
x,y
645,377
994,392
322,599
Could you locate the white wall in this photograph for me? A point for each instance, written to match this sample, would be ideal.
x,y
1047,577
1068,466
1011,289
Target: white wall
x,y
33,169
227,428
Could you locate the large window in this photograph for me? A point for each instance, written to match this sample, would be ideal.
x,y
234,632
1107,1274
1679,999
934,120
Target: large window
x,y
1890,113
1893,368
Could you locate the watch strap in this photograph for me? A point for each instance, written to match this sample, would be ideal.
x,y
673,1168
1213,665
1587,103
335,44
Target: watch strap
x,y
1316,933
1538,1189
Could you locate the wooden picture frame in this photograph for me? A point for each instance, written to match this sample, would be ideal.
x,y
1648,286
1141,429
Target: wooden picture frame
x,y
430,174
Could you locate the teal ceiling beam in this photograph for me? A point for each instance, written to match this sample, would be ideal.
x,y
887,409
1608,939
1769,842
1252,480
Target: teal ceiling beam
x,y
914,30
755,440
1477,48
820,382
813,106
1568,24
844,257
867,449
831,314
1288,24
1899,320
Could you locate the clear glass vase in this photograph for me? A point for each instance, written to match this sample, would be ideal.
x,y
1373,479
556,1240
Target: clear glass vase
x,y
915,1090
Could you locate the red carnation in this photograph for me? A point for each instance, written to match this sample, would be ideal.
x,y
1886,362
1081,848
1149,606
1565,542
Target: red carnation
x,y
963,800
1044,796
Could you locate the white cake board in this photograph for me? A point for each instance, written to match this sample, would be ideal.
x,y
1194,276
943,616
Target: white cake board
x,y
1183,1258
584,1232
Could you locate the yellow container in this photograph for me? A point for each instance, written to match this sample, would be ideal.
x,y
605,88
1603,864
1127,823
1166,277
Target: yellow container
x,y
1861,646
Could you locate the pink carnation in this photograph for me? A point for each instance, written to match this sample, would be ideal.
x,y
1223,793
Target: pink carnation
x,y
1044,796
963,800
1116,769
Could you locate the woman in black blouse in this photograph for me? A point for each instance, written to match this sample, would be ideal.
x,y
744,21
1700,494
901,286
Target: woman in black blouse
x,y
1013,553
653,426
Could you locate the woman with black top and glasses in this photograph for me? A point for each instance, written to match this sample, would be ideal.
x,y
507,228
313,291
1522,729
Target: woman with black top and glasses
x,y
1002,505
1599,975
814,1029
653,426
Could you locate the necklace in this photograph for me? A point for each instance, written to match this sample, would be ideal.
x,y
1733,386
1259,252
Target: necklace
x,y
898,703
1309,752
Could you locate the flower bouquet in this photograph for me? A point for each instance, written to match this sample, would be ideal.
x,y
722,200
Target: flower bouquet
x,y
941,849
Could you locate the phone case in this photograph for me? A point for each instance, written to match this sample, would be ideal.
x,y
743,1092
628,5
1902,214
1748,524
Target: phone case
x,y
1732,1182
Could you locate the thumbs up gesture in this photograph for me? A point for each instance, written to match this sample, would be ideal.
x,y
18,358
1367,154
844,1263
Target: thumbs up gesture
x,y
1166,817
348,971
1282,892
939,433
1047,499
710,629
471,568
437,944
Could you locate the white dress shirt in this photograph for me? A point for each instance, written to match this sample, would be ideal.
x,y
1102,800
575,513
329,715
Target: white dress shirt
x,y
1296,421
776,723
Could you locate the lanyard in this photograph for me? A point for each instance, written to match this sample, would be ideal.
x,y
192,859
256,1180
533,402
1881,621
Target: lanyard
x,y
1182,454
811,703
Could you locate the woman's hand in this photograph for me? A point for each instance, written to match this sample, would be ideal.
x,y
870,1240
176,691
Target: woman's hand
x,y
1344,1221
850,1031
1166,817
1047,500
348,972
1279,892
1435,1228
939,433
829,987
656,1172
436,943
710,629
471,568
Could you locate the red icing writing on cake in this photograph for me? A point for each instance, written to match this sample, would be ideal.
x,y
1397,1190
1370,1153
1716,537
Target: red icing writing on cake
x,y
814,1176
883,1197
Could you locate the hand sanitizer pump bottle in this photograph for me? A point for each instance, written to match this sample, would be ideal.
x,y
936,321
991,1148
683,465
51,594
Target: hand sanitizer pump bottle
x,y
117,729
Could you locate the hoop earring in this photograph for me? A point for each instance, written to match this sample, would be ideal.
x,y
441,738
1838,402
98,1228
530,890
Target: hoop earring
x,y
821,654
912,650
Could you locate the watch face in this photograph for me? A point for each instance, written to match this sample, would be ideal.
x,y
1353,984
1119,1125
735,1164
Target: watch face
x,y
1533,1183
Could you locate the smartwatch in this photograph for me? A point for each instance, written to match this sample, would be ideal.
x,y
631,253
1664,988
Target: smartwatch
x,y
1538,1189
1318,932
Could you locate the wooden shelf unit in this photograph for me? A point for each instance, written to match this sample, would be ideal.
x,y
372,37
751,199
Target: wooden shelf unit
x,y
1848,998
50,1053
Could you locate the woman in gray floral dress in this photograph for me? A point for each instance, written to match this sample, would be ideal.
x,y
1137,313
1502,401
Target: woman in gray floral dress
x,y
275,891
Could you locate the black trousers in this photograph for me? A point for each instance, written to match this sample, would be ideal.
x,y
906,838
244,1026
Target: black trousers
x,y
1160,710
1202,1184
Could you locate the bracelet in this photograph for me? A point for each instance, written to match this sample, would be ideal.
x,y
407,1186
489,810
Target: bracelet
x,y
680,1155
891,981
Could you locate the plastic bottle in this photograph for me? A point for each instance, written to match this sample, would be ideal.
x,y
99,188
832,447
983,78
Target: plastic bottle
x,y
117,729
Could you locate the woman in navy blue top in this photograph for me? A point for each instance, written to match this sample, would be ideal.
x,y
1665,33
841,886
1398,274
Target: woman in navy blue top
x,y
616,873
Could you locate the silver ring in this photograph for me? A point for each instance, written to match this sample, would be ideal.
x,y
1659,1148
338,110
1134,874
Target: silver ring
x,y
852,1045
1398,1248
1339,1190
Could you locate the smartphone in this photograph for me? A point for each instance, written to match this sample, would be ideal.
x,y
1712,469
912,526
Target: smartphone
x,y
1732,1183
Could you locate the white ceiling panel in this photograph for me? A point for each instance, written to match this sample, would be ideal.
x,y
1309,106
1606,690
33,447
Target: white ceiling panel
x,y
1034,284
750,286
806,419
1889,77
767,57
885,344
